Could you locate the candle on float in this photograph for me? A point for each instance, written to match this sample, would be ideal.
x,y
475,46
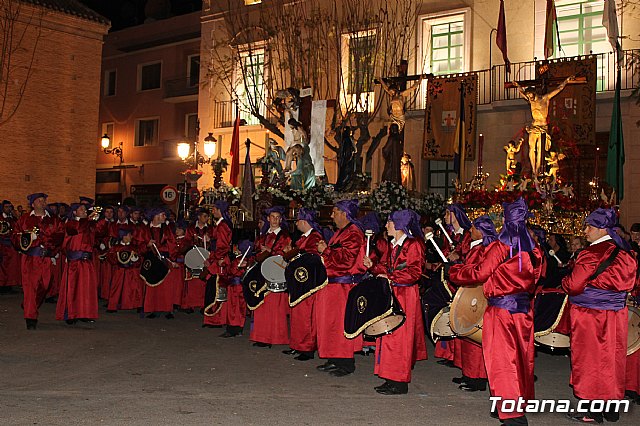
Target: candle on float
x,y
480,147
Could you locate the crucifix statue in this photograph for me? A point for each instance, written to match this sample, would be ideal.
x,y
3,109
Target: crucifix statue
x,y
538,97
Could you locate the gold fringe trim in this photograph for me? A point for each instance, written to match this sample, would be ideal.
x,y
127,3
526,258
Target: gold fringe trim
x,y
557,321
155,285
309,293
262,289
368,323
445,282
435,320
208,307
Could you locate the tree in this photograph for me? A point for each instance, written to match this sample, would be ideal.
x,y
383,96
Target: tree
x,y
20,31
336,47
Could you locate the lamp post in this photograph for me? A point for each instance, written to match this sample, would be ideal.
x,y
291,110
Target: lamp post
x,y
105,142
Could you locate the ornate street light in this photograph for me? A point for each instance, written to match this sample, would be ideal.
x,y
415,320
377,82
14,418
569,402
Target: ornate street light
x,y
105,142
210,146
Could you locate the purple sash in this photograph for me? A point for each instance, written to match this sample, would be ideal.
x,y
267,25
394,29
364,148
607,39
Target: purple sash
x,y
79,255
38,252
395,284
346,279
518,303
603,300
235,281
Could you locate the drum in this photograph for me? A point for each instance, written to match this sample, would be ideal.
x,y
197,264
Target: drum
x,y
253,287
372,309
221,294
273,269
305,275
435,303
194,261
153,270
633,341
549,311
467,312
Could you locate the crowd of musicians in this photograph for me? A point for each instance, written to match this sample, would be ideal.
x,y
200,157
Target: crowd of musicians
x,y
81,254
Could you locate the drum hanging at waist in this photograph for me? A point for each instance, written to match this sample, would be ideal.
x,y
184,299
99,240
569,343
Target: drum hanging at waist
x,y
254,287
467,312
549,312
153,270
435,303
305,275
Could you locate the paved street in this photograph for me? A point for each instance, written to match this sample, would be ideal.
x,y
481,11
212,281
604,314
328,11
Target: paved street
x,y
127,370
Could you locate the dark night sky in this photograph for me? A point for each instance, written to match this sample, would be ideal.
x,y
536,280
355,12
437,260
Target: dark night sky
x,y
127,13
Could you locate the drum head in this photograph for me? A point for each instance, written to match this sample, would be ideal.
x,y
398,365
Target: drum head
x,y
467,310
305,275
385,325
440,327
368,302
194,258
554,340
273,269
633,341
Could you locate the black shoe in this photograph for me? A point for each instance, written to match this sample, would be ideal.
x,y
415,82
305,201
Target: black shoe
x,y
494,414
290,352
188,311
516,421
71,321
611,417
262,344
111,311
396,388
469,388
50,300
302,357
152,315
31,323
460,380
340,372
169,316
226,335
327,366
586,418
86,320
443,361
382,386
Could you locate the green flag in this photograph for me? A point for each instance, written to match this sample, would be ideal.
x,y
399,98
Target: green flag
x,y
615,154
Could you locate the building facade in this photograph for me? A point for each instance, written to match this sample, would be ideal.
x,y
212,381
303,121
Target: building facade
x,y
48,145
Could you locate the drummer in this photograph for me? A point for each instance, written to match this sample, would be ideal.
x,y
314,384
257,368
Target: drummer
x,y
474,375
270,319
234,311
509,270
302,339
218,260
198,234
343,259
597,286
458,226
398,351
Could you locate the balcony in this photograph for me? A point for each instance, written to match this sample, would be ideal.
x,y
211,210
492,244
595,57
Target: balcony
x,y
178,90
224,114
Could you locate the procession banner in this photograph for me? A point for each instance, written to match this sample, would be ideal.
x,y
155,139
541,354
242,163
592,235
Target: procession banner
x,y
442,113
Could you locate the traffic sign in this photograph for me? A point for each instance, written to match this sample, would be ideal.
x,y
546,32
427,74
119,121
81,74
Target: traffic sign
x,y
169,194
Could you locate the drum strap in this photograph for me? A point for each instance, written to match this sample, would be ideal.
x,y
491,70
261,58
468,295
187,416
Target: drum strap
x,y
604,265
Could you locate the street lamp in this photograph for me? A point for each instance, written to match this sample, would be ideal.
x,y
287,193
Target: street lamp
x,y
183,150
105,142
210,145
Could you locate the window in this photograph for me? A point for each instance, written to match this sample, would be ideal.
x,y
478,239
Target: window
x,y
191,126
149,76
441,177
446,42
580,27
110,83
250,78
146,132
362,49
193,70
107,128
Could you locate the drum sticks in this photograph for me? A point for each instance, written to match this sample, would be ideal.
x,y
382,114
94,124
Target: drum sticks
x,y
369,234
446,234
553,253
429,236
244,255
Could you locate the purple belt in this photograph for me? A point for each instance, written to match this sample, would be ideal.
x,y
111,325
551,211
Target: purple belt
x,y
5,241
395,284
346,279
518,303
38,252
597,298
235,281
79,255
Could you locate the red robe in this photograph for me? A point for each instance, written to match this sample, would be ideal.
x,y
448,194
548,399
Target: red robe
x,y
161,297
103,268
9,256
233,312
342,257
507,339
194,288
397,353
270,319
221,246
599,337
37,270
127,287
78,297
303,329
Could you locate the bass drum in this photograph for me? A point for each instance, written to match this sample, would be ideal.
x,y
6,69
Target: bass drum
x,y
372,309
254,287
551,326
194,262
273,269
633,332
435,304
305,275
153,270
467,312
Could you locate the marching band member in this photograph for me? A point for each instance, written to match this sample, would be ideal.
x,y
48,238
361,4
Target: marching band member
x,y
397,353
39,236
474,374
302,339
458,225
127,288
218,259
270,319
9,257
199,234
343,259
598,284
77,299
159,298
103,242
509,271
234,310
